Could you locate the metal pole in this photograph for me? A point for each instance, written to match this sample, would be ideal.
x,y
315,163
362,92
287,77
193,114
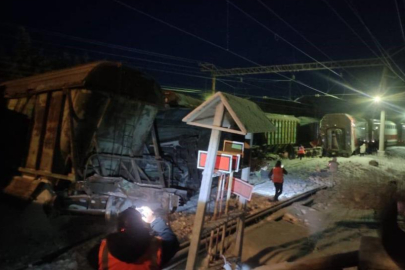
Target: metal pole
x,y
383,86
382,132
214,80
205,188
240,227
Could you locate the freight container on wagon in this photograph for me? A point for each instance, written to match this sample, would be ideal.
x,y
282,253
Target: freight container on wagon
x,y
286,129
88,127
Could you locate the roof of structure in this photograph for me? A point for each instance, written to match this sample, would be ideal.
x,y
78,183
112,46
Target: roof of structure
x,y
273,116
241,116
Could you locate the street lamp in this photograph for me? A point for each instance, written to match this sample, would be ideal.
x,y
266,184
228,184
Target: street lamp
x,y
377,99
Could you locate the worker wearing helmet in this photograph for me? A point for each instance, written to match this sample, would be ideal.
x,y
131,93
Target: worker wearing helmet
x,y
135,245
277,176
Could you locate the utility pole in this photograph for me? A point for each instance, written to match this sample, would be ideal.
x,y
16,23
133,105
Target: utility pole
x,y
214,81
383,86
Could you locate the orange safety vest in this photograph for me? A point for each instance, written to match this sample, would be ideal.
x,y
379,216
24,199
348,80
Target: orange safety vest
x,y
301,150
151,260
278,175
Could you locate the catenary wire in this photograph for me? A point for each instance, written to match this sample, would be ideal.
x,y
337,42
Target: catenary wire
x,y
212,43
304,37
283,39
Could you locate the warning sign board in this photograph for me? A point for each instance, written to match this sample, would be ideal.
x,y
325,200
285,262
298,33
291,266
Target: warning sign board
x,y
243,189
224,162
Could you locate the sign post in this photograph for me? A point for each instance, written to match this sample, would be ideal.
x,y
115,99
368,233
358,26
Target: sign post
x,y
205,189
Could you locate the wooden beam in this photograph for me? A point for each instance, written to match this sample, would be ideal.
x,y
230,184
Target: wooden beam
x,y
233,114
217,128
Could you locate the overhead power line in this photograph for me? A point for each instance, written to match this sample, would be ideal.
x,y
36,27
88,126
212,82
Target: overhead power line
x,y
302,36
113,46
378,44
373,62
278,35
399,20
105,53
211,43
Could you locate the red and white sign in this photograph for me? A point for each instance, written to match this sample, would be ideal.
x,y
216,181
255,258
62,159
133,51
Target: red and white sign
x,y
224,162
243,189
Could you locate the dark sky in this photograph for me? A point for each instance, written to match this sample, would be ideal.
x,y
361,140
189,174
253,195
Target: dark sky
x,y
218,26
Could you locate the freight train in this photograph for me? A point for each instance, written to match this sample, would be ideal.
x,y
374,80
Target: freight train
x,y
342,134
86,132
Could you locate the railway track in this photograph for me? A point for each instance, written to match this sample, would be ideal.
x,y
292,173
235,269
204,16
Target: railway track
x,y
251,219
181,255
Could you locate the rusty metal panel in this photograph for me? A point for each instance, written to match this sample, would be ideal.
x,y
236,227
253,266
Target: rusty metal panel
x,y
12,103
52,131
37,131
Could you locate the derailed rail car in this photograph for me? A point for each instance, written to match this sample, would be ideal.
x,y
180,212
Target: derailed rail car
x,y
88,127
342,134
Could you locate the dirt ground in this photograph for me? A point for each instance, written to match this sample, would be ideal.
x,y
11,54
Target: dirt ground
x,y
333,221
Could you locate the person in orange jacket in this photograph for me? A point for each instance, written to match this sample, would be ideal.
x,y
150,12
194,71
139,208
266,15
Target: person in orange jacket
x,y
135,245
277,176
301,151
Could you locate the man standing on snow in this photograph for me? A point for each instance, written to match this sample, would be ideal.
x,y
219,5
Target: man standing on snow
x,y
301,151
277,176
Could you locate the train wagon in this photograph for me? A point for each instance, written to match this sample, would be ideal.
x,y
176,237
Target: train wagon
x,y
308,130
87,131
390,132
342,133
286,129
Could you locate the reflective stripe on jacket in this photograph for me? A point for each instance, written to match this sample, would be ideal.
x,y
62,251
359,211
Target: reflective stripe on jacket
x,y
151,260
278,175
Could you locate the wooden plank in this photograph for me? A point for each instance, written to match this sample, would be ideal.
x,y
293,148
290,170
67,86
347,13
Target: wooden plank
x,y
37,131
205,189
233,114
197,111
217,128
47,174
52,131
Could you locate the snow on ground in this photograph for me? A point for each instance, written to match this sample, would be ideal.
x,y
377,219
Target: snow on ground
x,y
332,222
336,219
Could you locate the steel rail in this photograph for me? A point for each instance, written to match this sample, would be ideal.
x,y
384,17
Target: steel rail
x,y
181,255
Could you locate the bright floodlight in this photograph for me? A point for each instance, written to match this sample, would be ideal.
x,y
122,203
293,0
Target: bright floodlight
x,y
377,99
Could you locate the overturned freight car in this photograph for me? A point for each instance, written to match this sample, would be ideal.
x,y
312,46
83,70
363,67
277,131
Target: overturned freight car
x,y
86,138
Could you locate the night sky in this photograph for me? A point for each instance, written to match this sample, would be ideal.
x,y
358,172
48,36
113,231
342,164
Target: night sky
x,y
237,33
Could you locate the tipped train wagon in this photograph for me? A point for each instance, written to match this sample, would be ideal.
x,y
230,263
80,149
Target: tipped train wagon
x,y
342,134
86,133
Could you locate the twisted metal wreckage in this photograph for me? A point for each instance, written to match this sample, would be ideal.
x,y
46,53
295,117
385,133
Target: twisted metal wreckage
x,y
88,141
